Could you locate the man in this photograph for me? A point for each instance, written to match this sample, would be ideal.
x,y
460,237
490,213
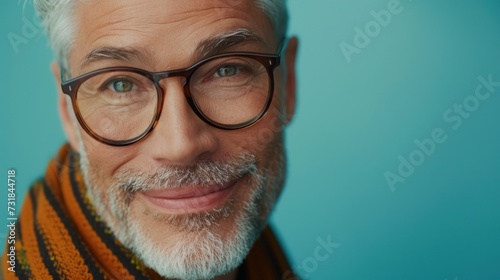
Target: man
x,y
174,113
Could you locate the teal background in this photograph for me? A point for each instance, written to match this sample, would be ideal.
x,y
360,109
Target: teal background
x,y
353,121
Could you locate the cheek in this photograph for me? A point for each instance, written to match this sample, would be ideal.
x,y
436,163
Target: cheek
x,y
261,139
104,160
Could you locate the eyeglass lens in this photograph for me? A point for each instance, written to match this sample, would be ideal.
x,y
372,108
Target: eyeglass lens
x,y
121,105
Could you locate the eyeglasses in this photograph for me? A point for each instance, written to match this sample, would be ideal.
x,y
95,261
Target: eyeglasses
x,y
121,105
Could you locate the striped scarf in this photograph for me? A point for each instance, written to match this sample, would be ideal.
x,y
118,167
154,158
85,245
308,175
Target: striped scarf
x,y
59,236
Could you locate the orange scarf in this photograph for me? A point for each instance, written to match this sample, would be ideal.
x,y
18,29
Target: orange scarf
x,y
59,236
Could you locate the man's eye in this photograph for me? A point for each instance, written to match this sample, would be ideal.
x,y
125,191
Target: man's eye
x,y
226,71
121,85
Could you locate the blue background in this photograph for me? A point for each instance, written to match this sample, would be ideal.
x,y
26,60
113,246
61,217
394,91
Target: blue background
x,y
353,122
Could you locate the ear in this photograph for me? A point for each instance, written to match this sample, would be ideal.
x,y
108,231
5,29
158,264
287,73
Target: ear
x,y
290,80
66,113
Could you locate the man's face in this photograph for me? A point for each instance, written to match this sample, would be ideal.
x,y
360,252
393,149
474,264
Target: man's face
x,y
189,199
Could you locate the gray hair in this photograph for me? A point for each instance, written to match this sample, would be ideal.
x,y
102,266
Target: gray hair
x,y
56,17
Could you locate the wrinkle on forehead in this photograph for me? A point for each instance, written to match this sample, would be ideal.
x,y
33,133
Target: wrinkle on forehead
x,y
141,25
204,49
119,15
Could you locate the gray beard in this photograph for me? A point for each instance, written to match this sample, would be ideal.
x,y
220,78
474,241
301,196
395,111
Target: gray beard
x,y
200,251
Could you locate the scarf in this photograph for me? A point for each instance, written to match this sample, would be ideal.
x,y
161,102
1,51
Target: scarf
x,y
58,235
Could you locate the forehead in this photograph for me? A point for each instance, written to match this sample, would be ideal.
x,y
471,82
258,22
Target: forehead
x,y
163,28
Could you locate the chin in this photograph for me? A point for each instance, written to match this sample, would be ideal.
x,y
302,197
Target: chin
x,y
199,245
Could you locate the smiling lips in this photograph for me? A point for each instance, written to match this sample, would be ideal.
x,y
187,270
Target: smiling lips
x,y
190,199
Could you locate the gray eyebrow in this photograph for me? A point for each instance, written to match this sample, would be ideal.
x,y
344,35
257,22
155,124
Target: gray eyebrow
x,y
123,54
221,42
205,48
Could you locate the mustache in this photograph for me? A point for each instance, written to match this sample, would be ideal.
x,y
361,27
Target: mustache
x,y
202,173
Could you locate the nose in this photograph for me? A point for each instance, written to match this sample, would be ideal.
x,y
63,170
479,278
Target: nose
x,y
180,136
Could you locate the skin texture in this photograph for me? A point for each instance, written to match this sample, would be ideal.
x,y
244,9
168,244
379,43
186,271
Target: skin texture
x,y
180,139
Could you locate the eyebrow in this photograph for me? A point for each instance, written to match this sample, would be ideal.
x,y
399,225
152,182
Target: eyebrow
x,y
222,42
205,48
112,53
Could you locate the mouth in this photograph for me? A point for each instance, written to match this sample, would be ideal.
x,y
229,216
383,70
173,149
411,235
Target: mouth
x,y
190,199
